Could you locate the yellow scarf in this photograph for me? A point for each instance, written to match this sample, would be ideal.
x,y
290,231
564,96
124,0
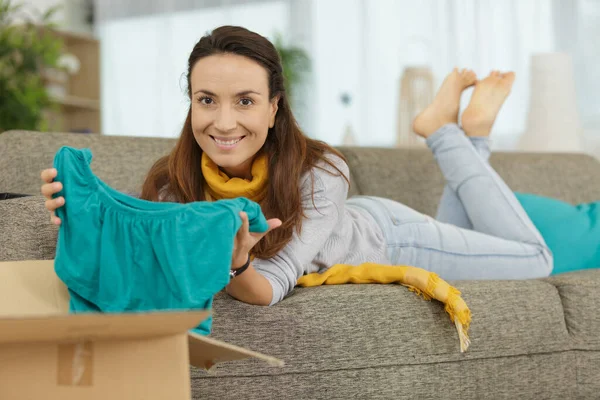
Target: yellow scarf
x,y
422,282
220,186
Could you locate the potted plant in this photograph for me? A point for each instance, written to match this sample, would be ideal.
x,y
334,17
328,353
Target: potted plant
x,y
27,49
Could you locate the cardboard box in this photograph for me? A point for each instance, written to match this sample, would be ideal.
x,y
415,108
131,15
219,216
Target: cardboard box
x,y
47,353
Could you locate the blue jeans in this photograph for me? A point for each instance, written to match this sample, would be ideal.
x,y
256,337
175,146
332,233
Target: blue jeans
x,y
481,231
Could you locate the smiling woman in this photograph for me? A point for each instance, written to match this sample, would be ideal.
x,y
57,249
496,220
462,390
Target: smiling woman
x,y
232,111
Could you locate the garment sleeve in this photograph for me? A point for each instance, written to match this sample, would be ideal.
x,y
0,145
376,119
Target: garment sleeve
x,y
294,260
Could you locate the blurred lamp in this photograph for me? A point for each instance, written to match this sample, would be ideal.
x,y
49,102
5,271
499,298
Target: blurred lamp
x,y
553,123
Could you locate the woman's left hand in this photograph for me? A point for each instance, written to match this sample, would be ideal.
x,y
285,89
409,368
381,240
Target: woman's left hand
x,y
245,240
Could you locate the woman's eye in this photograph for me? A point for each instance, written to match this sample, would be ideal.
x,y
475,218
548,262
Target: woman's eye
x,y
246,102
205,100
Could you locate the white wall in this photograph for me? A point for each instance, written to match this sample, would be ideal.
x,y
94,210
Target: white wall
x,y
337,54
587,60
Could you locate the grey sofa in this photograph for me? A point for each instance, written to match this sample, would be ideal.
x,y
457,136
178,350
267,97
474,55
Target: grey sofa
x,y
534,339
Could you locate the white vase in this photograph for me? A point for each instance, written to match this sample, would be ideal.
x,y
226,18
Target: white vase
x,y
416,93
349,139
553,123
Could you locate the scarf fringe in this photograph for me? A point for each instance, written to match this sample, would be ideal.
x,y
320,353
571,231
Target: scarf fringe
x,y
455,307
461,315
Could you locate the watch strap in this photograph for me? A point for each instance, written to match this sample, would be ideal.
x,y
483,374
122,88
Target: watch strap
x,y
236,272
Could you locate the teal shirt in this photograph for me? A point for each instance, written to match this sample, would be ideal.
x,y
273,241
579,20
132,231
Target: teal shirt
x,y
571,232
117,253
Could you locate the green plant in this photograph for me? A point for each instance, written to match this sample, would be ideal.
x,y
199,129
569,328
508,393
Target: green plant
x,y
296,65
26,49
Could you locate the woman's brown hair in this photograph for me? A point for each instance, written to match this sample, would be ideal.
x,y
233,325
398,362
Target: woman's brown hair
x,y
178,176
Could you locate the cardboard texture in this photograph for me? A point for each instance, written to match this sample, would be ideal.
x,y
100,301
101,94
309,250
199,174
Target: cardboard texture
x,y
47,353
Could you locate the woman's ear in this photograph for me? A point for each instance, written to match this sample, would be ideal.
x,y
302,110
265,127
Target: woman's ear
x,y
274,108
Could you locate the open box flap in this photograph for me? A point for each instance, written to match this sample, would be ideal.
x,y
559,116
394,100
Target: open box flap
x,y
69,327
205,352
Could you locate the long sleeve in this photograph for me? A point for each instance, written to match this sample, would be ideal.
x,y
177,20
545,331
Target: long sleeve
x,y
321,218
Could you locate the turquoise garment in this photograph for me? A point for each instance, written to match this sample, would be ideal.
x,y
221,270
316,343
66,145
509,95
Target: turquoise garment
x,y
117,253
571,232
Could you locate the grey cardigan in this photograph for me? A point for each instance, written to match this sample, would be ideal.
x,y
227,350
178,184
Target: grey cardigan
x,y
333,232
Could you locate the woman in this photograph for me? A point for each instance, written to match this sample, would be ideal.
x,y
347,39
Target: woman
x,y
240,138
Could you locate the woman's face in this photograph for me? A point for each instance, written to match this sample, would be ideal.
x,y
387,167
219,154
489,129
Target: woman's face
x,y
231,110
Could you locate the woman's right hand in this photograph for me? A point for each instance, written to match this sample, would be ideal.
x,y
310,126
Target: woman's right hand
x,y
49,188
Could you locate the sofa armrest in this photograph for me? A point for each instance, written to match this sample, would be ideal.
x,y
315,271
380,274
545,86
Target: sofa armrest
x,y
26,232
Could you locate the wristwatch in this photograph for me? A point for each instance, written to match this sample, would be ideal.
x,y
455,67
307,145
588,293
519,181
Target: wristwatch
x,y
236,272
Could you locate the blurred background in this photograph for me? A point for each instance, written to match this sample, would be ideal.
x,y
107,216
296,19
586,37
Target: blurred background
x,y
359,70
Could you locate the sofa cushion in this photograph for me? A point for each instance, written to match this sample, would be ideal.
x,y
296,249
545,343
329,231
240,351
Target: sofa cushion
x,y
543,376
331,327
580,296
572,232
338,340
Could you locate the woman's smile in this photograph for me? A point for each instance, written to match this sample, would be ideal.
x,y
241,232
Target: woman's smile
x,y
227,143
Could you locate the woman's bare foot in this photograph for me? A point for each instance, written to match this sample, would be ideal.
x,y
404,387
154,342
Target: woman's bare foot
x,y
488,97
446,104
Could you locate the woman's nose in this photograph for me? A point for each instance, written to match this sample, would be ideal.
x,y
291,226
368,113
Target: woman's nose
x,y
225,120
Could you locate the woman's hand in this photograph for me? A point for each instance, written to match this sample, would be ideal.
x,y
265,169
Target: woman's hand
x,y
48,189
245,240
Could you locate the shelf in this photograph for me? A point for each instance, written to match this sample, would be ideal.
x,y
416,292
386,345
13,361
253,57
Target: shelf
x,y
76,102
73,37
77,99
76,37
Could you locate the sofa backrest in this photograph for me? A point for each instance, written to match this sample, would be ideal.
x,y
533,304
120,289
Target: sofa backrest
x,y
122,162
410,176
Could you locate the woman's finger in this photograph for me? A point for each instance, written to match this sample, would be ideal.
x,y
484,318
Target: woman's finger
x,y
53,204
49,174
273,223
245,224
54,219
49,189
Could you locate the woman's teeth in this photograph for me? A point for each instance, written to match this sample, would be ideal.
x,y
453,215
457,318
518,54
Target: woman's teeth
x,y
227,142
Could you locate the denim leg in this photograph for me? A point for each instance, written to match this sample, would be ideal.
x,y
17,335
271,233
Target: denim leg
x,y
453,253
490,205
450,210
